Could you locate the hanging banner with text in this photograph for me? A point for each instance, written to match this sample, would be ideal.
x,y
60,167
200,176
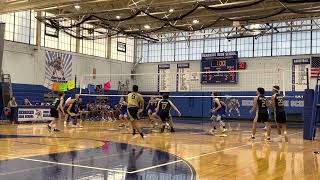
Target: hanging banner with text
x,y
299,76
164,80
58,69
183,77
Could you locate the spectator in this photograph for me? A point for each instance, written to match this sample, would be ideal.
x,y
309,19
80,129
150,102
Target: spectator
x,y
13,108
26,102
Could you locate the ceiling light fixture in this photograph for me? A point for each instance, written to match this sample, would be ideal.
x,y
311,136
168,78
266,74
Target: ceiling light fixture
x,y
195,21
118,17
171,10
77,6
146,26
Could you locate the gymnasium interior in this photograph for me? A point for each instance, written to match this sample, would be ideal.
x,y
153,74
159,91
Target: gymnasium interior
x,y
205,55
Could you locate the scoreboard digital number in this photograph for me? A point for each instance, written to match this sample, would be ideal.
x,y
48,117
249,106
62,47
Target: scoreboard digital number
x,y
221,61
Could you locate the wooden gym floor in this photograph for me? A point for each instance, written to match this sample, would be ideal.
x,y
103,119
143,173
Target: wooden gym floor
x,y
101,151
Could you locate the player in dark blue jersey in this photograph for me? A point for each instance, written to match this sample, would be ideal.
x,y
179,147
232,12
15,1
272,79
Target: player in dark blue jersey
x,y
151,108
123,116
279,111
123,108
73,111
163,110
218,111
152,105
260,106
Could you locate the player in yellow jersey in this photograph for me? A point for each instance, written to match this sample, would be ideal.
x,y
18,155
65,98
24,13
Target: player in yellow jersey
x,y
135,107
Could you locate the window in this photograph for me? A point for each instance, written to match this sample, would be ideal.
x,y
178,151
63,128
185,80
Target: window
x,y
130,49
100,44
211,45
245,47
196,49
182,50
86,46
119,55
168,50
227,44
301,39
22,27
281,44
145,51
154,52
262,46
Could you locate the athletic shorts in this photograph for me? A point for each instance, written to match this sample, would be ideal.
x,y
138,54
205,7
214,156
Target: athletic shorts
x,y
124,113
54,113
133,113
151,111
216,117
164,116
281,117
261,117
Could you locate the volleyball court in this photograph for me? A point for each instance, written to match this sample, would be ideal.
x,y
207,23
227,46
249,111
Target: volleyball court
x,y
192,96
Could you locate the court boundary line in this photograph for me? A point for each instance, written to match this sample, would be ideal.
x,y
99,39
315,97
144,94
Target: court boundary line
x,y
71,165
205,154
143,169
40,167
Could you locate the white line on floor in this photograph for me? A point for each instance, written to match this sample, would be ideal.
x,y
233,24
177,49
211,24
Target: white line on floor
x,y
201,155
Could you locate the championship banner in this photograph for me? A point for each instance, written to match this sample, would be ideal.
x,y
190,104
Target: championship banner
x,y
183,77
34,114
299,77
164,80
58,69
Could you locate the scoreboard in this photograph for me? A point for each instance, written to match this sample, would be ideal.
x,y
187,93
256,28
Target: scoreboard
x,y
219,61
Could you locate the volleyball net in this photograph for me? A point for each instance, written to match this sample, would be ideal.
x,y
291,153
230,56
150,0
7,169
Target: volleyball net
x,y
191,91
183,84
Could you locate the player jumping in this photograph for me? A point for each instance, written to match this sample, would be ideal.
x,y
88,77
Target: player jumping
x,y
135,107
218,111
279,111
163,110
260,106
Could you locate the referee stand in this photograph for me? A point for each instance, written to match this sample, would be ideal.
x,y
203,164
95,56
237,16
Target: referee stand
x,y
311,112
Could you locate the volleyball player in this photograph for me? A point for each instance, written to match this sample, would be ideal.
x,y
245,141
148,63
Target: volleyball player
x,y
279,111
163,110
218,111
135,107
74,112
260,106
123,117
57,111
123,108
66,106
151,108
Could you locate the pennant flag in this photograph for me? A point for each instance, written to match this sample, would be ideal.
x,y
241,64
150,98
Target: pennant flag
x,y
107,85
71,84
63,87
55,86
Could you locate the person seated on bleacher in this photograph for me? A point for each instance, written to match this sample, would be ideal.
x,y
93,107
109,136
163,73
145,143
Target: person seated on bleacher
x,y
91,110
116,112
26,102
